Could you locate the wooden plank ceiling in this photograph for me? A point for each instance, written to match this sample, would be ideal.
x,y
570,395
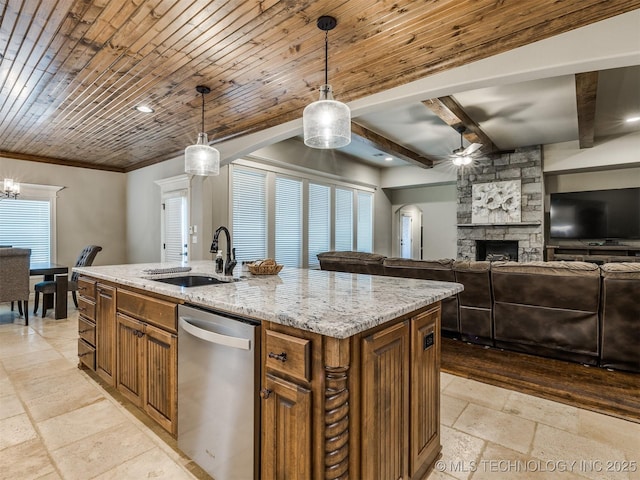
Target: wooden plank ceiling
x,y
72,70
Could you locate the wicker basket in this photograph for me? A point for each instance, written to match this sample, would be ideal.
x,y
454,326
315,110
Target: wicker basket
x,y
265,269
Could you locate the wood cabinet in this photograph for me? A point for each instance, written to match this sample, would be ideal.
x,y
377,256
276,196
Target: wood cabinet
x,y
362,407
425,390
594,253
130,340
87,323
385,403
147,356
106,332
286,438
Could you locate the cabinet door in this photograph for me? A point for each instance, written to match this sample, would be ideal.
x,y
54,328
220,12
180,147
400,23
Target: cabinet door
x,y
385,404
286,430
425,388
160,377
106,333
130,358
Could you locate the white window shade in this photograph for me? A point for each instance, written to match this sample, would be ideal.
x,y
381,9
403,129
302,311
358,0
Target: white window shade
x,y
344,220
27,224
249,215
288,222
365,222
319,221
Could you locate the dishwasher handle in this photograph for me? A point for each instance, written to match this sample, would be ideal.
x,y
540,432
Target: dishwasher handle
x,y
213,337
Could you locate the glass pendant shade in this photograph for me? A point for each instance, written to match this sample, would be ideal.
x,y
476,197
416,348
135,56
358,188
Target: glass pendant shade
x,y
327,122
461,161
201,159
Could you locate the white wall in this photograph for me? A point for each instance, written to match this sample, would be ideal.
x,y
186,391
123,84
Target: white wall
x,y
438,205
612,152
90,209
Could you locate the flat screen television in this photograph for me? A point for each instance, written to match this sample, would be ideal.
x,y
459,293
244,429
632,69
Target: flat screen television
x,y
596,215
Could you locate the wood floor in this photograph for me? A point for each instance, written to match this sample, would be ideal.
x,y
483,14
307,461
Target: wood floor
x,y
613,393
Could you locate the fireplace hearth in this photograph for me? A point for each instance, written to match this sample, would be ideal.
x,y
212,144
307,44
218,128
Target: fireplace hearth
x,y
494,250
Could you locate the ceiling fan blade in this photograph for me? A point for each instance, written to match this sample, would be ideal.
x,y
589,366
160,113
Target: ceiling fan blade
x,y
474,147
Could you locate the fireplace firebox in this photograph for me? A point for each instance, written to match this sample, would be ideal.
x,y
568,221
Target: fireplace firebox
x,y
497,250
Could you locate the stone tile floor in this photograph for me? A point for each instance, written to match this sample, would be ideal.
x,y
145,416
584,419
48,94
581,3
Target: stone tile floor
x,y
56,422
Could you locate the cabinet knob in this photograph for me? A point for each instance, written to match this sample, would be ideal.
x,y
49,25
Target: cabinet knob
x,y
279,356
265,393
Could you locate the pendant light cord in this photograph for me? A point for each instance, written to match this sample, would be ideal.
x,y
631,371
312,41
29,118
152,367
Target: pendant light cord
x,y
326,57
202,112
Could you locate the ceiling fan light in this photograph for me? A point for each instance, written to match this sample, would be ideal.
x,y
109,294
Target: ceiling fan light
x,y
201,159
326,123
462,160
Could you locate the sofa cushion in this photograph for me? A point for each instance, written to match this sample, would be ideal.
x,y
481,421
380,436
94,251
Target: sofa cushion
x,y
443,264
348,256
623,270
471,266
570,269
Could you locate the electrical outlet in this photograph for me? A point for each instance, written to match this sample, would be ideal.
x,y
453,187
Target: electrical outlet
x,y
194,239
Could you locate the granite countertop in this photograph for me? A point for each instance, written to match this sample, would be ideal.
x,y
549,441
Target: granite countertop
x,y
335,304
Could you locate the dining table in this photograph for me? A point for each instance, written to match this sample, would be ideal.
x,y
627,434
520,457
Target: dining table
x,y
59,274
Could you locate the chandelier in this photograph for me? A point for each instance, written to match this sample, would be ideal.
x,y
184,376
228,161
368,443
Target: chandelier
x,y
11,189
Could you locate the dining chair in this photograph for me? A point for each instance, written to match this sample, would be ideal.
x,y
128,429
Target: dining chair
x,y
85,259
14,278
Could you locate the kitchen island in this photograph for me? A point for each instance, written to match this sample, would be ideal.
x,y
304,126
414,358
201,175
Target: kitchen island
x,y
349,363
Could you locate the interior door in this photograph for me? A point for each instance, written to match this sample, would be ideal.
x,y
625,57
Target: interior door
x,y
406,233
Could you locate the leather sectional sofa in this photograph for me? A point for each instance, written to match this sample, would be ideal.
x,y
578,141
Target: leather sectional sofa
x,y
575,311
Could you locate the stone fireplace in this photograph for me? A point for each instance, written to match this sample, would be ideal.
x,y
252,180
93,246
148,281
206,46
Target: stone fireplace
x,y
527,236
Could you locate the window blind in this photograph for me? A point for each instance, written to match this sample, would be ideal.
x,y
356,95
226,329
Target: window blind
x,y
27,224
249,215
319,221
365,222
344,220
175,228
288,222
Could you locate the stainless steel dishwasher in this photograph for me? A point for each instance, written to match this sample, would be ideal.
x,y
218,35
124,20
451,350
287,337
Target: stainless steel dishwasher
x,y
218,404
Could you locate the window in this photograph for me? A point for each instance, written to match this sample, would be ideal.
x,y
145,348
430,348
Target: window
x,y
319,221
249,214
291,219
344,220
288,222
30,221
27,224
365,222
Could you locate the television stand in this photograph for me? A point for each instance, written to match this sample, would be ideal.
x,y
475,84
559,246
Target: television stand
x,y
594,253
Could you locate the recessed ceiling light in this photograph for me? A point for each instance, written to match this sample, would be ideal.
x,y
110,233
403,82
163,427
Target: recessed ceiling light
x,y
633,119
388,159
143,109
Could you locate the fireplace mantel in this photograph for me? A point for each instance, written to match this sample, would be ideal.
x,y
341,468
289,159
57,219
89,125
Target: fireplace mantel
x,y
485,225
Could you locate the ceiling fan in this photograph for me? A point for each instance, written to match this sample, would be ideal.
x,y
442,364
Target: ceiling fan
x,y
461,157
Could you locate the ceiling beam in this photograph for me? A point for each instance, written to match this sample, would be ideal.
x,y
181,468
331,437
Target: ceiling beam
x,y
451,113
389,147
586,90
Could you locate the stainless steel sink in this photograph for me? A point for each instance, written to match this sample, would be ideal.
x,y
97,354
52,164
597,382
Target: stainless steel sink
x,y
192,280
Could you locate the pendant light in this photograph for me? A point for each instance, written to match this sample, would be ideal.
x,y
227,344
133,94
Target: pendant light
x,y
202,159
327,122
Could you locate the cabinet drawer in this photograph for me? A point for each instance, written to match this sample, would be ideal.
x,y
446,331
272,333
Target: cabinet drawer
x,y
87,308
86,354
289,355
151,310
87,330
87,288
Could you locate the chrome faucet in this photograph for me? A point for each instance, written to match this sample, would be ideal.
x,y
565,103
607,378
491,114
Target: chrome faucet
x,y
231,252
